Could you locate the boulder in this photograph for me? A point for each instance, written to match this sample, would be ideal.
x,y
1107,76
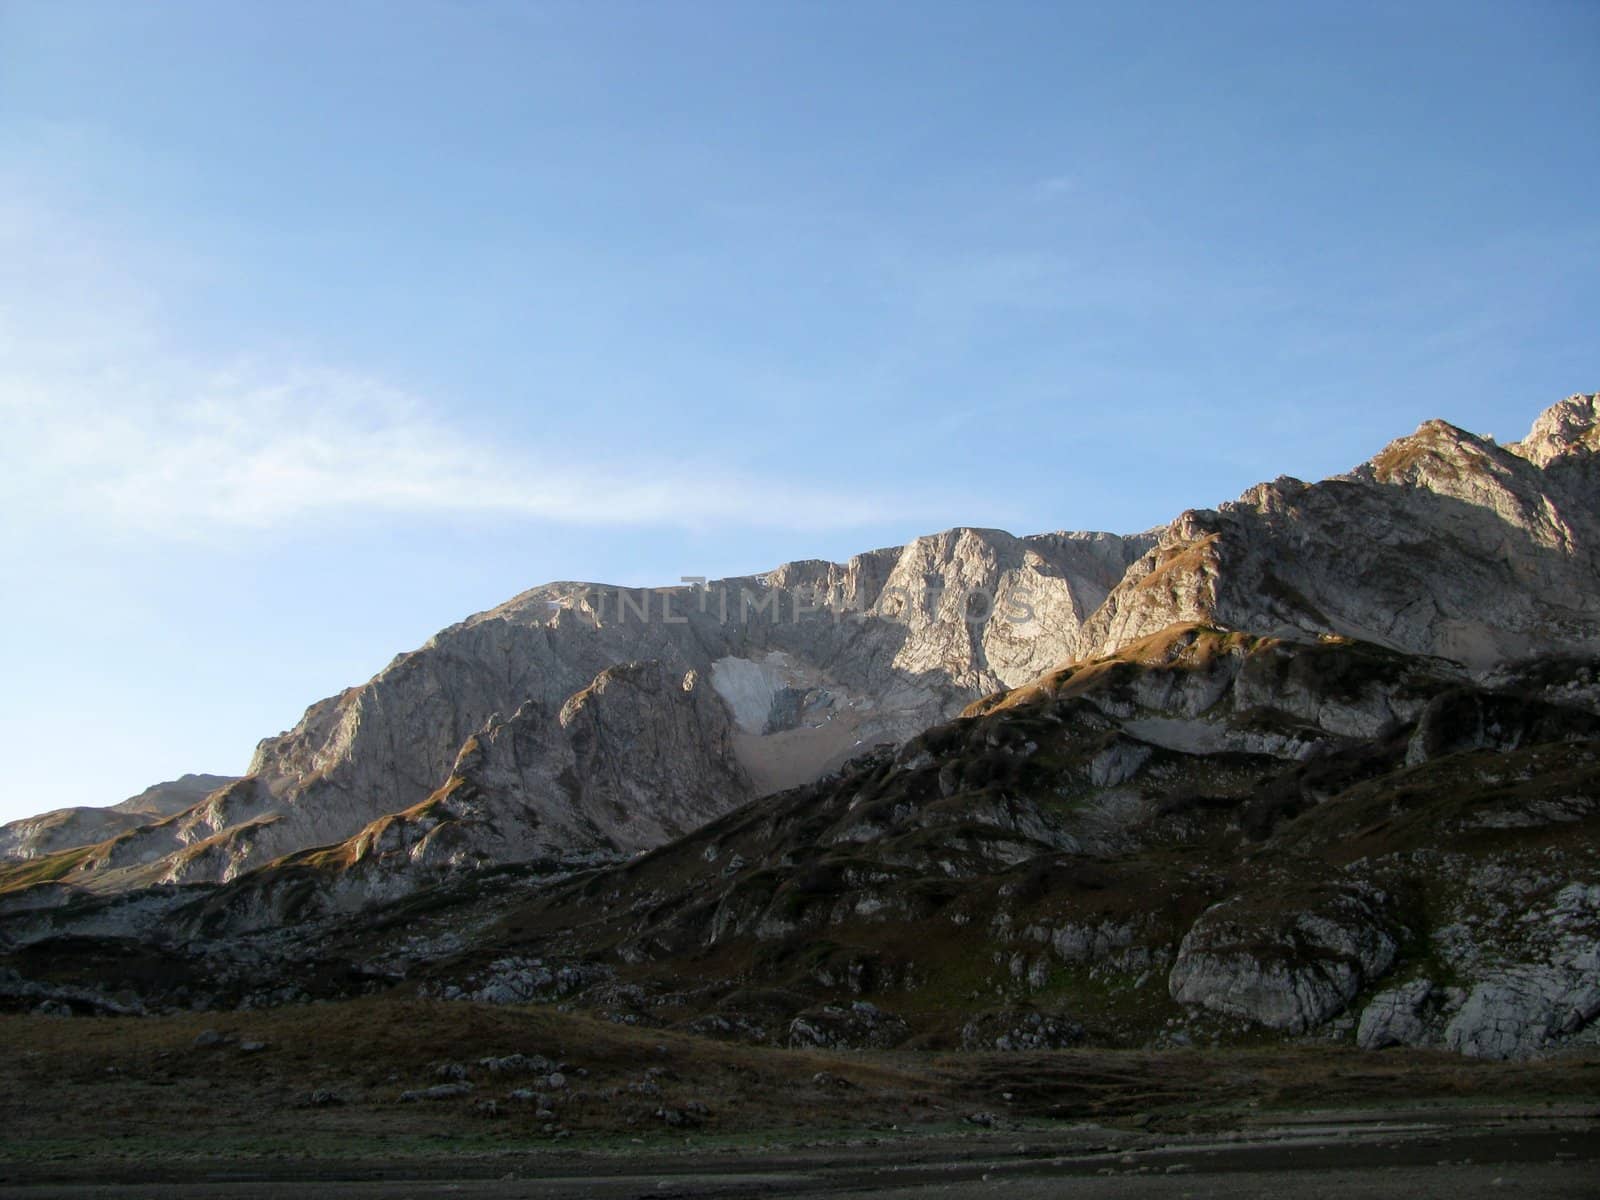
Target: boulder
x,y
1287,959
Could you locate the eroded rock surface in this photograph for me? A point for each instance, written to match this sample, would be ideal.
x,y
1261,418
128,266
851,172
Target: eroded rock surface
x,y
1286,959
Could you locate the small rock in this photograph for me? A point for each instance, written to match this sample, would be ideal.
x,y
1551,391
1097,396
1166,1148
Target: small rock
x,y
440,1091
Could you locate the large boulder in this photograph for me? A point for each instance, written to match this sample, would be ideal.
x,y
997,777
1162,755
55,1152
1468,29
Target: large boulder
x,y
1288,959
1397,1016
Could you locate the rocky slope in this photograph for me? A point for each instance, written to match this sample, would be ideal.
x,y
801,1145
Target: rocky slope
x,y
64,828
1208,836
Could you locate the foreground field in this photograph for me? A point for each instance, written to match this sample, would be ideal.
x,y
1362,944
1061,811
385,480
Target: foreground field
x,y
370,1093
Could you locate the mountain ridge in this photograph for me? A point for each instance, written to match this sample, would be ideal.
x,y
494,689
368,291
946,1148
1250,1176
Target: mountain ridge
x,y
1443,544
1334,779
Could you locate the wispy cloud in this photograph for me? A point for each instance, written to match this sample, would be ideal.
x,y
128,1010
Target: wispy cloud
x,y
105,420
254,448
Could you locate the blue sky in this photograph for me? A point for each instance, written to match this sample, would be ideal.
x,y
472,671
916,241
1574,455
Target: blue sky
x,y
323,326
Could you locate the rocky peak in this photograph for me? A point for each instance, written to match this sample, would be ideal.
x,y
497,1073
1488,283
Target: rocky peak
x,y
1566,430
1436,457
1445,544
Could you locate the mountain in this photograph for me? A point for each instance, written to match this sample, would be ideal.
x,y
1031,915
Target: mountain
x,y
64,828
1317,763
1444,544
779,677
1209,835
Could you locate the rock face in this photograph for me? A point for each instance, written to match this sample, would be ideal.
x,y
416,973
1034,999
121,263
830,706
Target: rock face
x,y
1532,980
637,758
1397,1016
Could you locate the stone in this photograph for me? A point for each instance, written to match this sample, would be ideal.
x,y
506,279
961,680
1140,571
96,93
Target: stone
x,y
439,1091
1287,960
858,1027
1395,1017
1018,1030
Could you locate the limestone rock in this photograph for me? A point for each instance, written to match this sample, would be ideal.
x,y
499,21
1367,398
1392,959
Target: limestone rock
x,y
1287,959
1541,993
1396,1017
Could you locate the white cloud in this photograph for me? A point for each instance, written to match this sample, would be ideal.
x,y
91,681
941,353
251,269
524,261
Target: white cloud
x,y
104,420
257,449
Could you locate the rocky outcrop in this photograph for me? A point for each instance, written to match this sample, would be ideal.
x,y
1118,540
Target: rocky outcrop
x,y
1286,959
1522,1011
1398,1016
635,759
860,1026
1017,1030
1524,987
1565,436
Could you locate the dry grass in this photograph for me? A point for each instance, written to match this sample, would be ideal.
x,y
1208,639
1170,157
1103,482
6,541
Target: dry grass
x,y
47,868
152,1090
154,1095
